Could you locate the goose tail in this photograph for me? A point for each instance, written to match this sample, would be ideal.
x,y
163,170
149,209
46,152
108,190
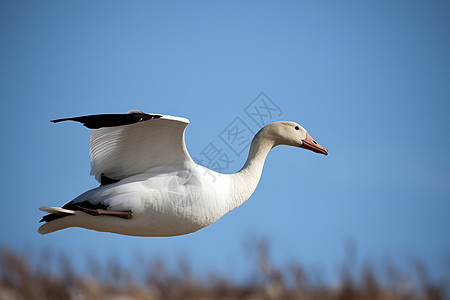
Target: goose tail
x,y
54,221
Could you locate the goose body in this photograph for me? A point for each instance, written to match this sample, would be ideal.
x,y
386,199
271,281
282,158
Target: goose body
x,y
150,186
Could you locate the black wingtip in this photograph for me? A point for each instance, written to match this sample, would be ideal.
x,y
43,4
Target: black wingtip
x,y
52,217
59,120
110,120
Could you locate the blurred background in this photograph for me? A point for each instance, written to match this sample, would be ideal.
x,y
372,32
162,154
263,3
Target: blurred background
x,y
368,80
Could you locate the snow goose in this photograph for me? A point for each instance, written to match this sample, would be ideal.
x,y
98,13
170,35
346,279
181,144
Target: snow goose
x,y
150,186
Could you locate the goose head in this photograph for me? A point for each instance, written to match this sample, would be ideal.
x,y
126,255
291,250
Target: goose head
x,y
292,134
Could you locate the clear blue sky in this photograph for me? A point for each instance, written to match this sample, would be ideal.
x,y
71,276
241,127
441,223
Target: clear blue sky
x,y
370,80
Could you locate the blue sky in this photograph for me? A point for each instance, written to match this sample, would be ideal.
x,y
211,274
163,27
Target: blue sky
x,y
369,80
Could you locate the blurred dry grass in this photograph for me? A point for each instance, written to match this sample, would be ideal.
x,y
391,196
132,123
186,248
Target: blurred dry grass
x,y
22,279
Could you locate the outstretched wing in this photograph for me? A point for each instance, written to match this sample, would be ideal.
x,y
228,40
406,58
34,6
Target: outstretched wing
x,y
128,144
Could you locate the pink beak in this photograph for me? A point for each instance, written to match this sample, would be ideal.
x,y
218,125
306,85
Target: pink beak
x,y
310,144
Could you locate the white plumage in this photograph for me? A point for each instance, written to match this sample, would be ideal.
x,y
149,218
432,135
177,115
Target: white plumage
x,y
151,186
122,151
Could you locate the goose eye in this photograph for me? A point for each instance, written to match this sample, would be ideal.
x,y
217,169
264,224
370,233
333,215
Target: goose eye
x,y
297,128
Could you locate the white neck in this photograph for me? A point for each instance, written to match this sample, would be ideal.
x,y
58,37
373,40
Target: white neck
x,y
245,181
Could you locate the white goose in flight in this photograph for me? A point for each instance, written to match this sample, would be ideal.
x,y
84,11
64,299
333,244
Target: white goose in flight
x,y
150,186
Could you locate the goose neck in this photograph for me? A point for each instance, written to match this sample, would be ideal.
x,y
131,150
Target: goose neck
x,y
245,181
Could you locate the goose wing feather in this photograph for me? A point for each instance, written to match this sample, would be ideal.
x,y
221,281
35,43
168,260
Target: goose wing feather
x,y
123,145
